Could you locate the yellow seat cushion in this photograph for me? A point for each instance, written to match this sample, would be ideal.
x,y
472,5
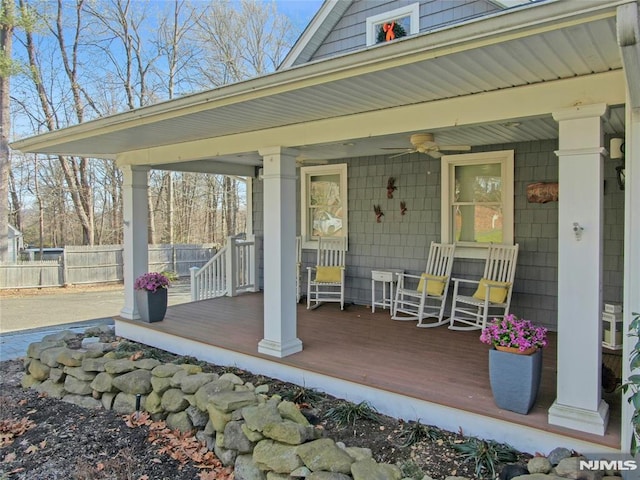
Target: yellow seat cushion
x,y
328,274
435,284
497,293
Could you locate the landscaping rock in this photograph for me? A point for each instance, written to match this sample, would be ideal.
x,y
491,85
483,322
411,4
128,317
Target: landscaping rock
x,y
288,432
226,456
539,465
80,373
34,350
70,358
258,416
230,401
246,469
235,439
179,421
82,401
116,367
270,455
324,454
173,400
61,336
233,378
103,382
192,383
558,454
327,476
218,418
94,364
126,402
512,471
138,381
198,418
206,392
160,384
153,403
165,370
38,370
369,469
50,356
290,411
56,375
146,363
51,389
78,387
107,399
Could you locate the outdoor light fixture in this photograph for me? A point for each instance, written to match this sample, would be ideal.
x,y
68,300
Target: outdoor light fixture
x,y
616,152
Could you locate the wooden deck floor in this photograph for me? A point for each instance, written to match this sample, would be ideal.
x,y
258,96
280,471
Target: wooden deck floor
x,y
434,364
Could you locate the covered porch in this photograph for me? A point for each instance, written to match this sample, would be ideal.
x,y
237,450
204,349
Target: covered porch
x,y
435,375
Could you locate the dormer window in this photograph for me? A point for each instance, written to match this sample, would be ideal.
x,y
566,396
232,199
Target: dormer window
x,y
389,26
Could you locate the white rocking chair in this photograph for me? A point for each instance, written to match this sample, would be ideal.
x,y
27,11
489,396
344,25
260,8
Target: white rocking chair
x,y
325,281
428,294
493,294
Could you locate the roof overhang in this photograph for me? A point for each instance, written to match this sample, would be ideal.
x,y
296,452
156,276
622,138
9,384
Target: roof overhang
x,y
461,79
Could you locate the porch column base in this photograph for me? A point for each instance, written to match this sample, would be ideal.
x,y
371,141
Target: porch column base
x,y
129,313
580,419
280,350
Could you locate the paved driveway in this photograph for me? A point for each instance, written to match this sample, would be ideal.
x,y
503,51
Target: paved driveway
x,y
54,307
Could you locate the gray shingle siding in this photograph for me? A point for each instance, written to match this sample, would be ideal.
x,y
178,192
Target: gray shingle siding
x,y
349,34
403,241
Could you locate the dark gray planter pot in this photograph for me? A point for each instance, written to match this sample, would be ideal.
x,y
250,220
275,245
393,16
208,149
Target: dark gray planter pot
x,y
515,379
152,306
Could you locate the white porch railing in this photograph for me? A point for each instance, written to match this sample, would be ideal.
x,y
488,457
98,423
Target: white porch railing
x,y
231,271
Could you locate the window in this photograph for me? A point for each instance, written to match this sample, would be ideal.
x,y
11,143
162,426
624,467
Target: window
x,y
477,200
405,19
324,202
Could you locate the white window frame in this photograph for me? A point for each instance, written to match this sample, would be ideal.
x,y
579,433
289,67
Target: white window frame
x,y
412,11
340,169
448,163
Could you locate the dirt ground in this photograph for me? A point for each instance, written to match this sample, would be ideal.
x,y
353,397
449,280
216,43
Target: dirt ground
x,y
46,439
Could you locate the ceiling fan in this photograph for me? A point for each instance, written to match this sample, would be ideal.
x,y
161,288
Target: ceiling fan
x,y
424,143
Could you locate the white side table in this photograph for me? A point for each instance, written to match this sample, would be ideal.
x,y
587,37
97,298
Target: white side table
x,y
386,277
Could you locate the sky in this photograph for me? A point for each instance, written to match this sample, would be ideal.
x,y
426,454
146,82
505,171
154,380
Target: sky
x,y
299,11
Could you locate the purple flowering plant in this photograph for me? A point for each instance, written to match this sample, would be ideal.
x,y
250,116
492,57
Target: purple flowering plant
x,y
513,332
151,282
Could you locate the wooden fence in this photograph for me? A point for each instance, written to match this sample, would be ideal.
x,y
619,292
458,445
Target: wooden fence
x,y
99,264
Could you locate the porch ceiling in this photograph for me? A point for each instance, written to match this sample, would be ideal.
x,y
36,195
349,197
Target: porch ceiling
x,y
474,58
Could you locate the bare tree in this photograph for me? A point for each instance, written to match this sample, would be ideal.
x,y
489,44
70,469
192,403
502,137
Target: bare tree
x,y
7,21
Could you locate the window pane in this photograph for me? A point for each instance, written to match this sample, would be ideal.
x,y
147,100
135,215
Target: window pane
x,y
326,222
324,190
478,183
325,206
478,223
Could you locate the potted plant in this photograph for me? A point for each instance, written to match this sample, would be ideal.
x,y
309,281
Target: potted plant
x,y
151,296
515,361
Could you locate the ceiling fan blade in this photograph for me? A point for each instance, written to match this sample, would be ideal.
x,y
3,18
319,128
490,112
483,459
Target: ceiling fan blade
x,y
457,148
401,154
434,153
397,148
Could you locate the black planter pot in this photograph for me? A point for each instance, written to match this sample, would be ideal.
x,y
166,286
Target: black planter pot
x,y
515,379
152,306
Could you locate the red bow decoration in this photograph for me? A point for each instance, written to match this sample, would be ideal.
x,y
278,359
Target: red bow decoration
x,y
388,29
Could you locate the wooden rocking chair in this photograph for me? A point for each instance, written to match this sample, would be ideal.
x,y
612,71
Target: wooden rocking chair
x,y
493,294
427,296
325,281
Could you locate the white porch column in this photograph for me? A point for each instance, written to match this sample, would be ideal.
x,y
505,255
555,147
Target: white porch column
x,y
579,403
280,322
135,213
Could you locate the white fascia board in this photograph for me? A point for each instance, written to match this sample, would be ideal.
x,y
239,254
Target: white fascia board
x,y
501,105
490,31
